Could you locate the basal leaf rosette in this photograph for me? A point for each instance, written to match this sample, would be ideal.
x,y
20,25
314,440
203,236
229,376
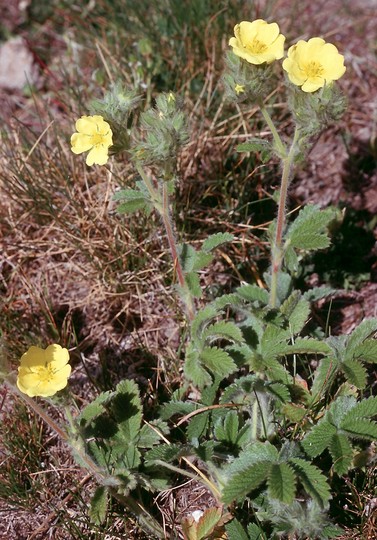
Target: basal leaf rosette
x,y
258,42
93,135
313,64
43,372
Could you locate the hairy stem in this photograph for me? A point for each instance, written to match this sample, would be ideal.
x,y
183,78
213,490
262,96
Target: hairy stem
x,y
277,251
190,310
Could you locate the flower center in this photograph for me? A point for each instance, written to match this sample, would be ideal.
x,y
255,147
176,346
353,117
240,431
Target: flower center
x,y
313,69
45,373
97,138
255,46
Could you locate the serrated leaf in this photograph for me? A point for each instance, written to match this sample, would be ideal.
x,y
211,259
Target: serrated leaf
x,y
132,206
202,318
227,430
318,293
253,293
367,351
366,408
305,346
255,532
313,481
309,230
318,438
193,284
245,481
279,390
127,409
323,377
164,452
365,329
98,505
187,257
281,482
355,373
218,361
194,371
362,429
341,453
297,311
294,413
235,531
216,240
207,522
223,330
202,260
257,145
168,410
152,433
255,453
198,426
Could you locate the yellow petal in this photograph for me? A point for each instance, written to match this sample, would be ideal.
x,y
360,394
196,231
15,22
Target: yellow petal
x,y
86,125
34,356
57,356
98,155
268,32
313,84
80,143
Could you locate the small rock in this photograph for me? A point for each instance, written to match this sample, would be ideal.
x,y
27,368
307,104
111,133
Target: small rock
x,y
17,67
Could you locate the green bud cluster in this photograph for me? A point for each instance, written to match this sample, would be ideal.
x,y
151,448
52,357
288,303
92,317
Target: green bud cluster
x,y
117,108
244,81
164,132
315,111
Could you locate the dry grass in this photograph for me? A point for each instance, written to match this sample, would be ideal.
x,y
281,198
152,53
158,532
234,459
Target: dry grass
x,y
75,272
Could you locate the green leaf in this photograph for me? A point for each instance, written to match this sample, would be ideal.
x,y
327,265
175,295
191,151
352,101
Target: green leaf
x,y
279,390
223,330
227,428
216,240
362,429
187,257
193,284
355,373
127,409
297,311
309,229
194,371
164,452
257,145
253,293
313,481
367,351
202,318
341,453
218,361
132,206
235,531
98,505
198,425
152,433
208,522
294,413
281,482
323,377
318,438
242,483
168,410
305,346
366,408
255,532
202,260
255,453
318,293
359,335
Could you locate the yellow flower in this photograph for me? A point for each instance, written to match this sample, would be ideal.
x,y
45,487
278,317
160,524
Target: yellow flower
x,y
258,42
95,135
314,63
239,88
43,372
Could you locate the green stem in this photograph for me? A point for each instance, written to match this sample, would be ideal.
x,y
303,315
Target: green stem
x,y
279,145
190,310
146,520
277,250
161,203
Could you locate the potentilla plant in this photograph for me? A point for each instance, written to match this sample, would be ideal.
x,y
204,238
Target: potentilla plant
x,y
269,417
